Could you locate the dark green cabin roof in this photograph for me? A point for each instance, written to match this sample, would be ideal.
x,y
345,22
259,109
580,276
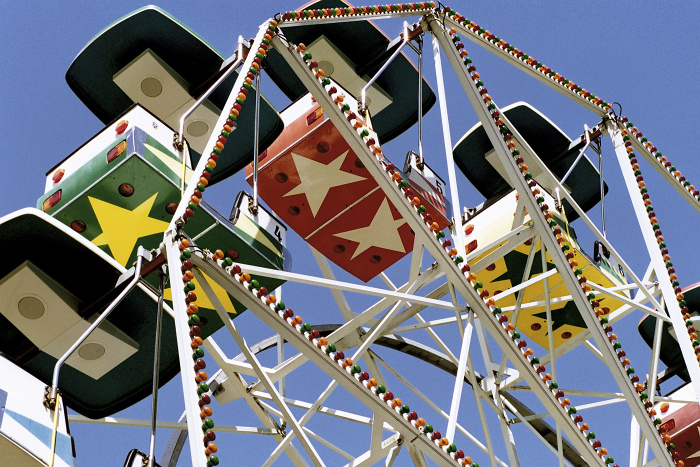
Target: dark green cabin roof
x,y
368,48
91,74
547,140
670,350
81,269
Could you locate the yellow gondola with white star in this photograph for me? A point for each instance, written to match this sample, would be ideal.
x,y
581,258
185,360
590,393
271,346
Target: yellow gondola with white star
x,y
501,267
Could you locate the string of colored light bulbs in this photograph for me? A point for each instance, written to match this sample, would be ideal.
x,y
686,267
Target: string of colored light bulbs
x,y
566,248
643,191
503,319
375,10
483,34
474,28
396,176
626,125
195,321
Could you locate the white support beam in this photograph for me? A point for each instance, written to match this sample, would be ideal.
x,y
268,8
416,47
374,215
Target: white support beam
x,y
493,48
347,286
327,272
444,347
459,380
423,234
413,309
655,357
570,280
428,324
504,245
350,18
321,409
134,422
674,311
527,283
250,356
187,373
479,398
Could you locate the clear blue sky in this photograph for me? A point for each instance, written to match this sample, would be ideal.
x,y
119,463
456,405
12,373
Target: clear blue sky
x,y
642,55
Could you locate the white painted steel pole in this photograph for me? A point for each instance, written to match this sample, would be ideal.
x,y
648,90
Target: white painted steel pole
x,y
657,261
187,373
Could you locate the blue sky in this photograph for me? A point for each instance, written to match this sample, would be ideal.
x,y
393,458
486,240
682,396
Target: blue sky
x,y
642,55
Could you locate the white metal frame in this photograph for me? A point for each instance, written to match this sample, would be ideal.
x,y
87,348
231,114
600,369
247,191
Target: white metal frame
x,y
508,370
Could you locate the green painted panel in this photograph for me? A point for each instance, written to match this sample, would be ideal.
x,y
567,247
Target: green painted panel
x,y
91,74
118,224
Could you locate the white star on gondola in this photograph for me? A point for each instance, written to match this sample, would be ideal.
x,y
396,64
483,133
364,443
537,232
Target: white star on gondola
x,y
318,178
382,232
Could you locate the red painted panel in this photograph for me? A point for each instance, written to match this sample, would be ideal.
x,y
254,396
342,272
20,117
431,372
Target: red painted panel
x,y
685,433
366,238
430,197
313,181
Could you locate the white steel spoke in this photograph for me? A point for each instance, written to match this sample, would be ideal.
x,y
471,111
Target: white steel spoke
x,y
310,280
557,256
504,245
387,449
459,381
269,385
340,299
441,412
318,408
657,261
75,418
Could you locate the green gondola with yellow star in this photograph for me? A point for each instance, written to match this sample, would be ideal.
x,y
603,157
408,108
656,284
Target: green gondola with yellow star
x,y
123,196
120,189
117,193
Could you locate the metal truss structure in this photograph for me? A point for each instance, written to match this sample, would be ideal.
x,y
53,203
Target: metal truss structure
x,y
490,389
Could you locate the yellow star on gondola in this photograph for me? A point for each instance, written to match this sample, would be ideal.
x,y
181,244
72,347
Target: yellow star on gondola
x,y
205,302
121,228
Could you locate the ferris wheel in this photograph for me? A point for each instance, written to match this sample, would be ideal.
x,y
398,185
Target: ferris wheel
x,y
428,331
